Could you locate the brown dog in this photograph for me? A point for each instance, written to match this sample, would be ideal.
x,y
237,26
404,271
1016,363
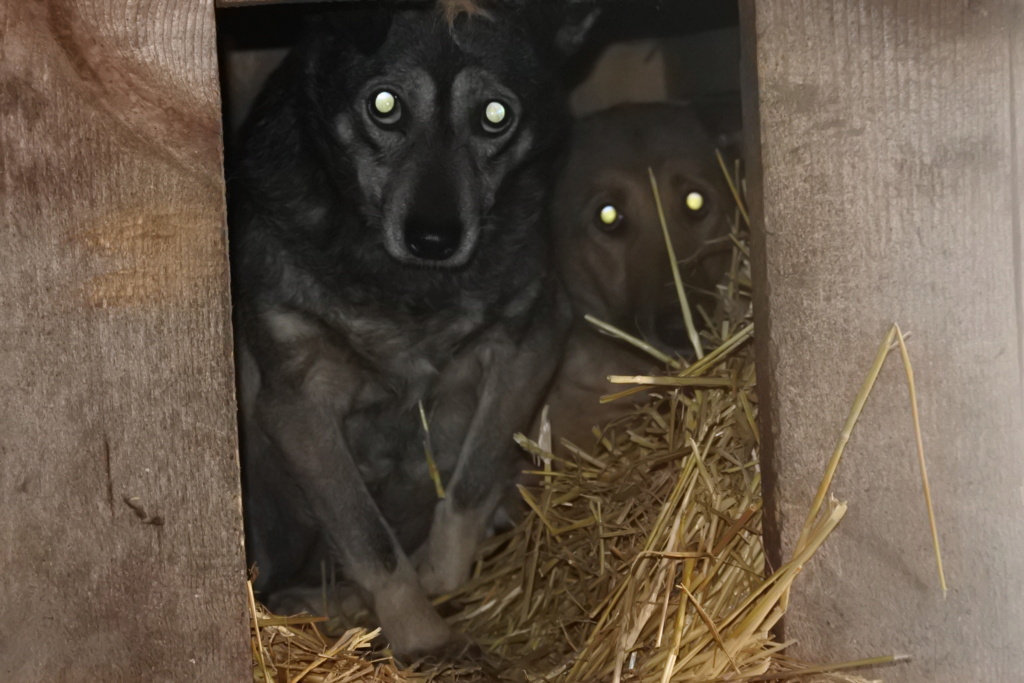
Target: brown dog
x,y
612,254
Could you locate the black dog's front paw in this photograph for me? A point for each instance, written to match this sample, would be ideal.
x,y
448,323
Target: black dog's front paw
x,y
444,561
411,625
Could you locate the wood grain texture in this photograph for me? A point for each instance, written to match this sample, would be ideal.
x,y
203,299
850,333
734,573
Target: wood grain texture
x,y
120,525
890,144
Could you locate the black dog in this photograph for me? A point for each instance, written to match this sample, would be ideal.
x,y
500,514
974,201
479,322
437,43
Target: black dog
x,y
390,251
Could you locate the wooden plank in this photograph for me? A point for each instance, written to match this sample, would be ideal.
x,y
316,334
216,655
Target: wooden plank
x,y
890,144
1015,34
120,526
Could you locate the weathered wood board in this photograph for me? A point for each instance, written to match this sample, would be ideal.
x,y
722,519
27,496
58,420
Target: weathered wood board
x,y
890,152
120,527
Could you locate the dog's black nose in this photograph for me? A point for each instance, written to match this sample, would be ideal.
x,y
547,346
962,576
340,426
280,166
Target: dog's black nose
x,y
432,242
433,229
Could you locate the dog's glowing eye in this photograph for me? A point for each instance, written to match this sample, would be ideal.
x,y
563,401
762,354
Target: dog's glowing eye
x,y
495,112
695,201
609,217
385,107
496,117
384,102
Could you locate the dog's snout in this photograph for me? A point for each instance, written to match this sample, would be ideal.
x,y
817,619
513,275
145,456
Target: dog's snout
x,y
432,240
433,230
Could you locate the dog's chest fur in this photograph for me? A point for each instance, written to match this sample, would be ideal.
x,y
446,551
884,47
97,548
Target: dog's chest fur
x,y
389,363
431,362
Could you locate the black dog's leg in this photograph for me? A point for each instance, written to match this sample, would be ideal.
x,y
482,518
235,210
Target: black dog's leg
x,y
515,378
305,431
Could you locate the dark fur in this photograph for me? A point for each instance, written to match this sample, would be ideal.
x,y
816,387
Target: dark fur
x,y
342,332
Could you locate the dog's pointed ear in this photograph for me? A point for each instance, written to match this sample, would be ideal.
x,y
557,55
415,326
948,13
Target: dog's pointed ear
x,y
557,26
571,36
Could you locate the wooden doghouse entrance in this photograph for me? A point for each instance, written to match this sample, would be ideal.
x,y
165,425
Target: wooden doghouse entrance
x,y
885,186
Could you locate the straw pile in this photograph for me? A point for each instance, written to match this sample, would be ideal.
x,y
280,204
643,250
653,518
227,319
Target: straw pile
x,y
642,561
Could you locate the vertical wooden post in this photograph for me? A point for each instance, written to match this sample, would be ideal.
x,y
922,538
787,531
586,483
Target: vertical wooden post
x,y
890,144
120,529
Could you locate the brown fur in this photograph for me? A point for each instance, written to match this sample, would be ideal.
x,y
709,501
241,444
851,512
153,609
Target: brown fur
x,y
622,275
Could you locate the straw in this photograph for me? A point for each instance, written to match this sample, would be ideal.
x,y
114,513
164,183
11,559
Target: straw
x,y
641,560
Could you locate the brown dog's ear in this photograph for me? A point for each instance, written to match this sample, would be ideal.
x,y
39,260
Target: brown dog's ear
x,y
730,144
722,117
